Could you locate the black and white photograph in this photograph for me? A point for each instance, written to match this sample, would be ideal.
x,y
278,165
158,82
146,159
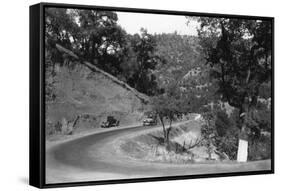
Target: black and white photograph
x,y
140,95
132,94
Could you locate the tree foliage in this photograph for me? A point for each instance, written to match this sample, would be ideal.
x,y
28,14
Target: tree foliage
x,y
239,52
93,35
179,54
140,62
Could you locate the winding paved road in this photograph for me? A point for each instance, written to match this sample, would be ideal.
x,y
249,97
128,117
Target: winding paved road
x,y
95,157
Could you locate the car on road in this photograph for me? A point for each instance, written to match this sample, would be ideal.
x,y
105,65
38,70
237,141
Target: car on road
x,y
110,122
150,120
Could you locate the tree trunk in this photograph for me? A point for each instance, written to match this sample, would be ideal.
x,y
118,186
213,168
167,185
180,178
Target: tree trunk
x,y
163,126
165,133
168,138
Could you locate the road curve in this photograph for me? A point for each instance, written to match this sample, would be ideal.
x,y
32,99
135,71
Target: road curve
x,y
94,157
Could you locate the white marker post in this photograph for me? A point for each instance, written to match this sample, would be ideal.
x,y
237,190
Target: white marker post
x,y
242,154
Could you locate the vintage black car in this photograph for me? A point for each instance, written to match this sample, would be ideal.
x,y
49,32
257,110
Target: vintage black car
x,y
110,122
150,120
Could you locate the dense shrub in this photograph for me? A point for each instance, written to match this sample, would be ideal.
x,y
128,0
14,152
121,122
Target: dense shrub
x,y
260,149
222,123
52,128
227,133
223,132
260,137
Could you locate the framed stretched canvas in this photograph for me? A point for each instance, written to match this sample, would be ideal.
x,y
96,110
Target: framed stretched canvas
x,y
121,95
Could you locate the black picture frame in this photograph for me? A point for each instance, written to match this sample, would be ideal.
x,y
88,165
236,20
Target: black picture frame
x,y
37,163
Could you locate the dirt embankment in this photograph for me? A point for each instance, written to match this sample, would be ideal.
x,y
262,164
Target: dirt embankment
x,y
84,98
149,146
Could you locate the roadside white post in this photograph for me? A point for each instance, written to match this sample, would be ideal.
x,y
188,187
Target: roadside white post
x,y
198,117
242,154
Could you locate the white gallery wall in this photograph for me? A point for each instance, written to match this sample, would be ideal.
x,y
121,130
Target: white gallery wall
x,y
14,94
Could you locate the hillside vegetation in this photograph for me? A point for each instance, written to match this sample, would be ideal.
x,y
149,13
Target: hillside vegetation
x,y
81,99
